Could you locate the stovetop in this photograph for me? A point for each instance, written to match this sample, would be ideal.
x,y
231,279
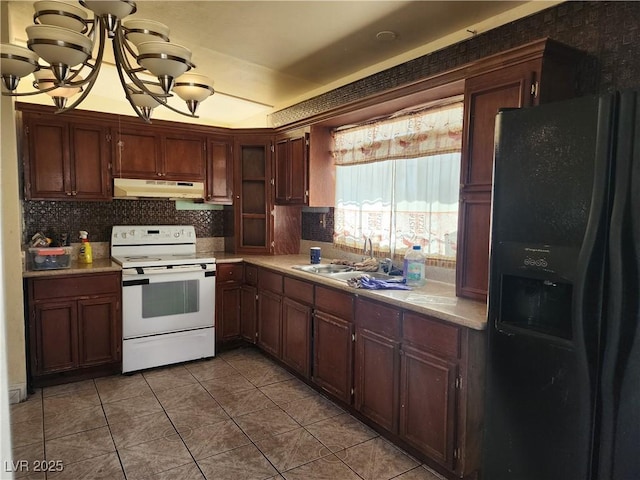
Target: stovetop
x,y
132,261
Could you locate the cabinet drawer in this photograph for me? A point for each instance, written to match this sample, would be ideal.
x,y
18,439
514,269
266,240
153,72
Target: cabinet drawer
x,y
74,286
298,290
268,280
229,272
378,318
251,275
441,338
335,302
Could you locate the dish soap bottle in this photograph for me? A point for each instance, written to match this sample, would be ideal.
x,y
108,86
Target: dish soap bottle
x,y
85,255
413,271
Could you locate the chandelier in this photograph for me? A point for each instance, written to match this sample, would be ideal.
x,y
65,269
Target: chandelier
x,y
150,68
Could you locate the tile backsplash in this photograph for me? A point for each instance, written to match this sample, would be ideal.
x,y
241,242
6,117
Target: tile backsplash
x,y
97,218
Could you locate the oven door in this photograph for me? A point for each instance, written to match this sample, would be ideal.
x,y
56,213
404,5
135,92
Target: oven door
x,y
167,300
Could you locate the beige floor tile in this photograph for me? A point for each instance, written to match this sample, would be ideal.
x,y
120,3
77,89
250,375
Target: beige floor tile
x,y
340,432
262,375
246,401
104,467
291,449
311,409
377,459
262,423
74,387
419,473
287,391
192,395
70,401
129,408
120,387
171,377
184,472
246,463
222,386
80,446
325,468
66,422
141,429
187,418
154,457
27,432
211,368
213,439
24,460
27,410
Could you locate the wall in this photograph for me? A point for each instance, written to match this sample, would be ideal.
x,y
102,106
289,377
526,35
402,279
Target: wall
x,y
11,308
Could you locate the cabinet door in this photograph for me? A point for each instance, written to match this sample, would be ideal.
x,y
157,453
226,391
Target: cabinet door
x,y
183,157
270,322
99,334
333,355
219,181
248,313
54,333
377,373
296,335
227,312
253,195
282,179
428,400
47,162
90,162
484,95
298,168
136,153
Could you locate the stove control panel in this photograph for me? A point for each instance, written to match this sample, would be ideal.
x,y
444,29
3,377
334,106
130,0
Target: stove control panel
x,y
152,234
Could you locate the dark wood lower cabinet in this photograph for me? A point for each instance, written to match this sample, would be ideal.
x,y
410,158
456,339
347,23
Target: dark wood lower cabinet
x,y
428,404
74,327
296,336
270,322
248,313
228,312
377,364
332,355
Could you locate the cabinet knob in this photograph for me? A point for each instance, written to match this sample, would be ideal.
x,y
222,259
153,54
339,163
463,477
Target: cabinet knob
x,y
68,193
74,193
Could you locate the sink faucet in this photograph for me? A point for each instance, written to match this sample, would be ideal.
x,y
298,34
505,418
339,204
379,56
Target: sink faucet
x,y
364,252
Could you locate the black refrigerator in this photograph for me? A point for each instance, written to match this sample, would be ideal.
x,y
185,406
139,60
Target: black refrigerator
x,y
563,357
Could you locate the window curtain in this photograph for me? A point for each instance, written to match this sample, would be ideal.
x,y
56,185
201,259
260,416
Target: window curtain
x,y
397,183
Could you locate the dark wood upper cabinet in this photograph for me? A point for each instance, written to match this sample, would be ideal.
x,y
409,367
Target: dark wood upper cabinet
x,y
540,72
291,179
219,171
150,153
65,160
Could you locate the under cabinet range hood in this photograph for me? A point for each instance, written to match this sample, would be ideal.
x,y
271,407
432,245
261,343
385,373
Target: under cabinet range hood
x,y
135,188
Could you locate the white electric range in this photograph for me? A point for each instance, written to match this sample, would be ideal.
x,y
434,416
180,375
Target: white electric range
x,y
168,295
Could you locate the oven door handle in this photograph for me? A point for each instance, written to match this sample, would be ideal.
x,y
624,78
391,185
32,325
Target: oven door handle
x,y
134,283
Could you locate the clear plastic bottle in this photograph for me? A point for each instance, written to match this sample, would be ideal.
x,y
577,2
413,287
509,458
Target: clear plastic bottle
x,y
413,271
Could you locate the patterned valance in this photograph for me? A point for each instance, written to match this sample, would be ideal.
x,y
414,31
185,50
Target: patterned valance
x,y
419,134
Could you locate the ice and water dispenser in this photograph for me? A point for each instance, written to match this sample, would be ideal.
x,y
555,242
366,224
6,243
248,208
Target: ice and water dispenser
x,y
535,289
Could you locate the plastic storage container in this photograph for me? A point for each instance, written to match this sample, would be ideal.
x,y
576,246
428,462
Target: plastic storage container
x,y
50,258
413,271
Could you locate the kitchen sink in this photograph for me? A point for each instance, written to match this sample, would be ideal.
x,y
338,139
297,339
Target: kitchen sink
x,y
349,275
324,269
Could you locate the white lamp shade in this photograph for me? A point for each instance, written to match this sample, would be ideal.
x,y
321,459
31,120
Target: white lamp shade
x,y
46,79
116,8
138,31
193,86
142,99
160,66
71,48
60,20
16,66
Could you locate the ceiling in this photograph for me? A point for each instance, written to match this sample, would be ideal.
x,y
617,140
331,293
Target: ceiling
x,y
266,55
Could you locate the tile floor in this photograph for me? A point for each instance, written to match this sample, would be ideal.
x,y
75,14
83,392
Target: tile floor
x,y
238,416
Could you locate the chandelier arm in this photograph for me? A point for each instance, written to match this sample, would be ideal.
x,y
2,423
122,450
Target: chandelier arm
x,y
124,67
92,77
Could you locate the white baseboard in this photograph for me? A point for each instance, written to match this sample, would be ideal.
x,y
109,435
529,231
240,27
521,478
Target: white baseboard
x,y
17,393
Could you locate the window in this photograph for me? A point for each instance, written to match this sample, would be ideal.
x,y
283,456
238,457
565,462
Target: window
x,y
397,182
